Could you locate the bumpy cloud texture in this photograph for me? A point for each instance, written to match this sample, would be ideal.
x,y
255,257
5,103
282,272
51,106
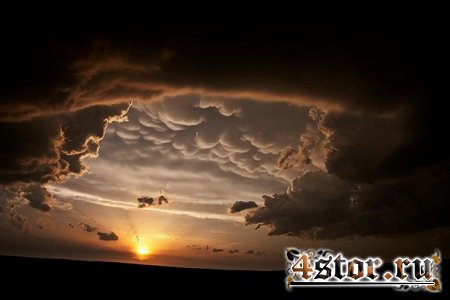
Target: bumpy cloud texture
x,y
232,135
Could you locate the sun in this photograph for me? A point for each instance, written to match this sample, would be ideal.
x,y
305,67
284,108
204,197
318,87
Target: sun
x,y
142,251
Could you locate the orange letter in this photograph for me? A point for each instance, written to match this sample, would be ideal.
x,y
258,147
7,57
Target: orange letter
x,y
302,265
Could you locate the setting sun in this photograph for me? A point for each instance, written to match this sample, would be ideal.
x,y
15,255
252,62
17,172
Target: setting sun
x,y
142,251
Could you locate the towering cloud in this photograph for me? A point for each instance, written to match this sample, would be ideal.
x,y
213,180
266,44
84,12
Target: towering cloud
x,y
367,187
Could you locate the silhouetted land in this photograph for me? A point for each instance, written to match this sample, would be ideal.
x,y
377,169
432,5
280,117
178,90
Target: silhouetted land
x,y
47,277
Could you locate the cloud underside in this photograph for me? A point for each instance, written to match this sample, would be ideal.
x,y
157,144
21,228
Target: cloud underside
x,y
107,236
242,205
366,187
370,165
52,149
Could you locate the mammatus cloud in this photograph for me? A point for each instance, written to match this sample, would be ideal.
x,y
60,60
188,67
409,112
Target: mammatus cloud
x,y
242,205
145,201
385,135
107,236
226,137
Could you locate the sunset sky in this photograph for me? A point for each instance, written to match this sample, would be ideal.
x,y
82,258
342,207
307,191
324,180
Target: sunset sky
x,y
259,137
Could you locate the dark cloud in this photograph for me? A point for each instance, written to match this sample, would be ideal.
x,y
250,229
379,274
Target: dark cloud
x,y
162,199
368,147
360,173
232,251
323,206
145,201
107,236
37,196
87,227
242,205
215,250
48,149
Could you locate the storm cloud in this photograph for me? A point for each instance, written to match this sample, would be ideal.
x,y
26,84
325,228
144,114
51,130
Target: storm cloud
x,y
366,72
368,162
52,148
367,188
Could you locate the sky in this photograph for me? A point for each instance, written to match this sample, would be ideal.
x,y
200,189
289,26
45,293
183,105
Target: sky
x,y
219,146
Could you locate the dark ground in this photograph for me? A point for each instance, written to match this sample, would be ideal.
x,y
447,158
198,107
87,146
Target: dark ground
x,y
59,278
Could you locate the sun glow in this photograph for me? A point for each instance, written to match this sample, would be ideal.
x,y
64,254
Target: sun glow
x,y
142,251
